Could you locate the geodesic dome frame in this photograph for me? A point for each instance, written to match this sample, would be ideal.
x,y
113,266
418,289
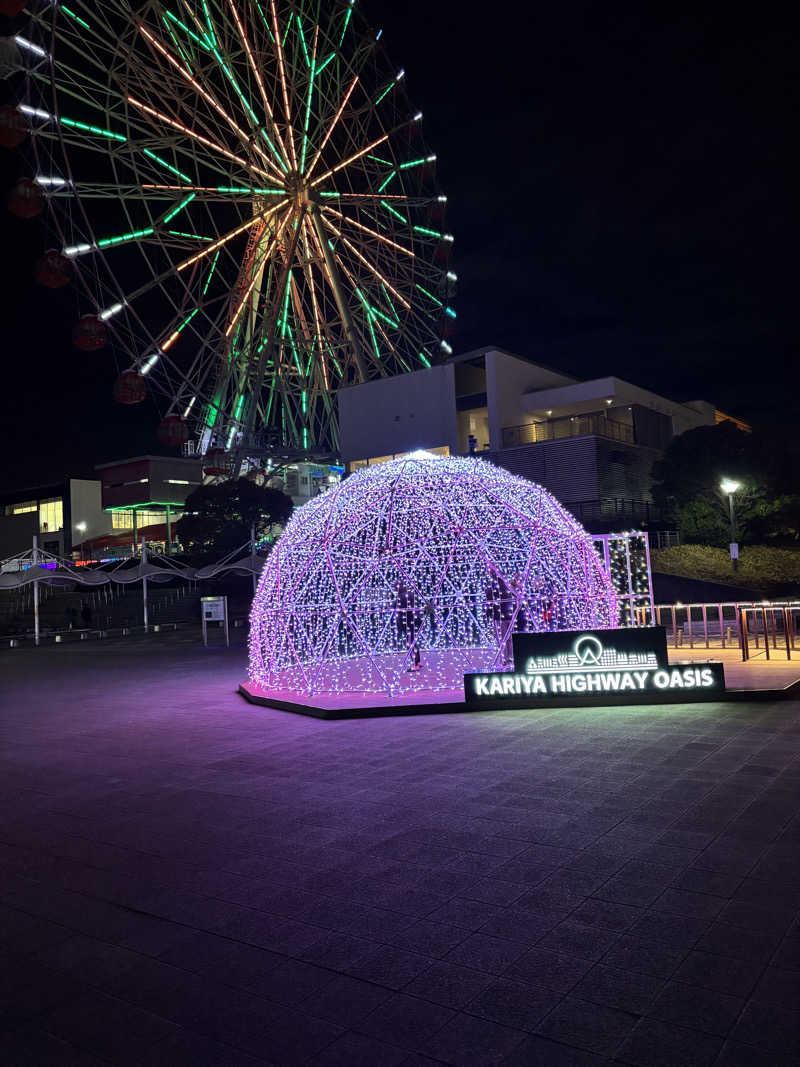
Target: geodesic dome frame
x,y
445,556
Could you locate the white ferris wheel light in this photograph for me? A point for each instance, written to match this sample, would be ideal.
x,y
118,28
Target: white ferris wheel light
x,y
29,46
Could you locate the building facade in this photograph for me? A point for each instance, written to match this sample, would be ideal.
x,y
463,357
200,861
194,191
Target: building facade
x,y
60,515
591,443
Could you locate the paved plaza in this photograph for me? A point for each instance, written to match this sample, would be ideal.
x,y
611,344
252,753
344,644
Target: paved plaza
x,y
186,879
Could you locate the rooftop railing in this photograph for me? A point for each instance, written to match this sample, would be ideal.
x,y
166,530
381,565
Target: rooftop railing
x,y
532,433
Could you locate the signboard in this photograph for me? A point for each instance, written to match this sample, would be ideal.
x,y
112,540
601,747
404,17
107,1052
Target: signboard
x,y
214,609
599,666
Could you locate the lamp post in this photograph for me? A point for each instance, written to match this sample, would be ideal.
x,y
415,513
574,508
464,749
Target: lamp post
x,y
727,485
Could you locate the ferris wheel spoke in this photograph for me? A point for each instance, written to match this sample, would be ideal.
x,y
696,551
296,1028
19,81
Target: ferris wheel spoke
x,y
208,97
371,313
367,263
208,194
284,89
268,111
199,138
262,217
332,126
366,229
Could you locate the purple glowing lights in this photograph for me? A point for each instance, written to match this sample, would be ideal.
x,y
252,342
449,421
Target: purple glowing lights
x,y
421,560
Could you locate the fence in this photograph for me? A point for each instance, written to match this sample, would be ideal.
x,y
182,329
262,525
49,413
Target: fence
x,y
770,628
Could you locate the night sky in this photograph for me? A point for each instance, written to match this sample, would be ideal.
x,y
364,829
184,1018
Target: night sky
x,y
618,189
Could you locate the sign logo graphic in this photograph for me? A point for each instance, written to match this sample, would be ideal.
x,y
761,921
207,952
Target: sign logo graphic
x,y
588,649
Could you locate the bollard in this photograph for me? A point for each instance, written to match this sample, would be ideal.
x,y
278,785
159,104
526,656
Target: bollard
x,y
13,643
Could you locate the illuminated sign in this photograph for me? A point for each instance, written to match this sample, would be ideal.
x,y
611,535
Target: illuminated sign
x,y
602,665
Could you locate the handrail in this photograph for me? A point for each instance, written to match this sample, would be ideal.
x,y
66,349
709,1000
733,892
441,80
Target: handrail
x,y
738,624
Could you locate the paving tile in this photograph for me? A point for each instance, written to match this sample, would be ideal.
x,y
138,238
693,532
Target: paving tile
x,y
770,1026
106,1027
31,1047
606,914
291,983
654,958
389,966
578,939
469,914
186,1049
679,931
694,905
550,969
407,1022
657,1044
345,1000
356,1050
720,973
699,880
738,942
537,1051
595,1027
337,951
697,1007
773,919
513,1004
448,984
495,891
778,986
735,1054
467,1041
521,924
629,991
428,937
485,953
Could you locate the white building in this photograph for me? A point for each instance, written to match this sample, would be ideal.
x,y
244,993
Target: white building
x,y
591,443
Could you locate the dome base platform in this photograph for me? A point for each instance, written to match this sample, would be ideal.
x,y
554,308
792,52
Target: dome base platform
x,y
357,705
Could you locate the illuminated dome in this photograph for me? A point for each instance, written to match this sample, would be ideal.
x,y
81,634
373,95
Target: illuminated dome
x,y
425,561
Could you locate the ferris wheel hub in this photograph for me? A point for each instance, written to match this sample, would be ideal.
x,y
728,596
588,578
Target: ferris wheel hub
x,y
298,191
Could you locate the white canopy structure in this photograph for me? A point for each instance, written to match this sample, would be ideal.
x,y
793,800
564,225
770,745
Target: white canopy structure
x,y
35,567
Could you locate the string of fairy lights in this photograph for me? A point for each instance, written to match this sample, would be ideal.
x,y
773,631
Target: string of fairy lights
x,y
626,557
412,572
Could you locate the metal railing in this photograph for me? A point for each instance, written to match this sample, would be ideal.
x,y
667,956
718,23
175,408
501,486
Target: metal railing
x,y
769,628
575,426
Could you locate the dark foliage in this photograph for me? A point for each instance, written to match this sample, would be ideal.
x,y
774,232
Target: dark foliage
x,y
218,518
767,465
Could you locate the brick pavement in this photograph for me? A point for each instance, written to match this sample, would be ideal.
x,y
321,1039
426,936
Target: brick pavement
x,y
186,879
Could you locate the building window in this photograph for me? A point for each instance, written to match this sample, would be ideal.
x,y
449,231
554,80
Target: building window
x,y
123,520
51,515
21,509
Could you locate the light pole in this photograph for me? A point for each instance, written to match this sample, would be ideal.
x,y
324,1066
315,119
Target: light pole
x,y
727,485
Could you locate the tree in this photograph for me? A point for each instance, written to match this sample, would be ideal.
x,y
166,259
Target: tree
x,y
217,518
687,483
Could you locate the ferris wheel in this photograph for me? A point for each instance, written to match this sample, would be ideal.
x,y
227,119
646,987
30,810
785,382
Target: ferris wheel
x,y
244,196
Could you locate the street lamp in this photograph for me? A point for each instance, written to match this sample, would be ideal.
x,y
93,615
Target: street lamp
x,y
727,485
